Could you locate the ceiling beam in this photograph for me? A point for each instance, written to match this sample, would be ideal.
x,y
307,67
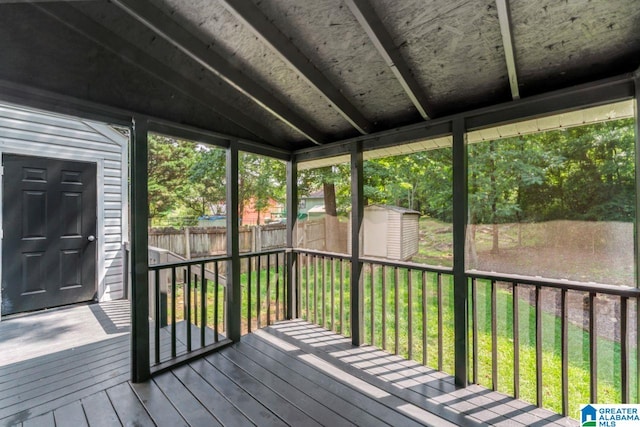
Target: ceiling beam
x,y
253,17
504,16
182,82
152,17
382,40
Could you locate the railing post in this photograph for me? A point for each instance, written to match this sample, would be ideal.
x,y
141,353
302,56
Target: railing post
x,y
459,278
140,369
636,232
291,258
234,294
357,214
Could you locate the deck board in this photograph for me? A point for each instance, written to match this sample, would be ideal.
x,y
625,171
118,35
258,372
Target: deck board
x,y
209,397
128,407
290,373
182,399
71,415
99,410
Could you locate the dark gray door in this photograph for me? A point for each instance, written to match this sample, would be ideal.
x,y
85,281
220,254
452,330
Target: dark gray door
x,y
49,224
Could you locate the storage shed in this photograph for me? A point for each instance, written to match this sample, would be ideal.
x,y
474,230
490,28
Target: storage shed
x,y
64,210
390,232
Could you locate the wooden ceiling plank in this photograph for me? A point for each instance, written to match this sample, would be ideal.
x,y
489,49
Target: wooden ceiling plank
x,y
383,42
163,25
83,24
504,16
253,17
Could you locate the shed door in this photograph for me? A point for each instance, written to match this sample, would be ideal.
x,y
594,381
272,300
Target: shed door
x,y
49,224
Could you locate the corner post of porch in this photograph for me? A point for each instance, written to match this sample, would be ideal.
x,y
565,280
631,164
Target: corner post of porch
x,y
636,233
357,215
461,292
140,369
291,256
234,292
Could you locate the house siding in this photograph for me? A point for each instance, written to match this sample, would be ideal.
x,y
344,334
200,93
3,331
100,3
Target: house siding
x,y
34,133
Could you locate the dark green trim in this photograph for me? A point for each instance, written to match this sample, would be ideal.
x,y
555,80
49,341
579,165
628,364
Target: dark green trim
x,y
357,214
234,294
291,256
460,297
139,254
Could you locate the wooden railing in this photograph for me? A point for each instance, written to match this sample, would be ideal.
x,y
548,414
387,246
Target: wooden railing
x,y
189,299
586,314
188,310
408,309
519,327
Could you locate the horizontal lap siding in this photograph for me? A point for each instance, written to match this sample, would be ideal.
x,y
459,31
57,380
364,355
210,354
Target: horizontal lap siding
x,y
33,133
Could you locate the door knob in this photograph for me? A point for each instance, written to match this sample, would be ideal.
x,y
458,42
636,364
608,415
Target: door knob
x,y
91,238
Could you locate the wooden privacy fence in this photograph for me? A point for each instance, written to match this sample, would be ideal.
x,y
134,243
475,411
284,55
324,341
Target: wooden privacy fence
x,y
200,242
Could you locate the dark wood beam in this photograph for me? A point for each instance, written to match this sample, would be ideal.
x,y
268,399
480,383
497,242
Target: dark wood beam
x,y
180,81
167,28
251,15
382,40
504,16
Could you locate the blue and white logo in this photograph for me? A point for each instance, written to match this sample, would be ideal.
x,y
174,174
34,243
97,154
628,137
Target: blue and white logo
x,y
609,415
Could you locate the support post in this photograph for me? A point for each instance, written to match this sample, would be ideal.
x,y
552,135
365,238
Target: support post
x,y
357,214
140,369
291,256
636,231
459,228
234,293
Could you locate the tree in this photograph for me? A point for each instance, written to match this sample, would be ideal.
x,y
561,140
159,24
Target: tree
x,y
169,163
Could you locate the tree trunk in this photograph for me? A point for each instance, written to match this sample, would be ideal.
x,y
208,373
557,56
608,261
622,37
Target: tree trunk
x,y
331,233
495,246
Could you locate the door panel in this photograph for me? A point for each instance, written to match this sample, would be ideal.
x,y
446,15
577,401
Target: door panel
x,y
49,211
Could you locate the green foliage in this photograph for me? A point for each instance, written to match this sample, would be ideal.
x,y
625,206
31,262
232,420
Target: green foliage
x,y
187,179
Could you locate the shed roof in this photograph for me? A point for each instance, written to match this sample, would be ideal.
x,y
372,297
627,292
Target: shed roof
x,y
292,74
398,209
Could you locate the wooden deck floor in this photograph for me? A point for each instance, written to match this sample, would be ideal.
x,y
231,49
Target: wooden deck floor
x,y
292,373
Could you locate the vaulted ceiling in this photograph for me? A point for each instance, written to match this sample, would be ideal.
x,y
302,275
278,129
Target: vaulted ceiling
x,y
298,73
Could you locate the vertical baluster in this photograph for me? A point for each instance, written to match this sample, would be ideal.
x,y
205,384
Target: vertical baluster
x,y
249,306
315,289
384,306
333,294
593,356
624,349
341,297
373,305
258,295
278,287
268,297
308,262
203,304
157,311
538,348
187,300
516,341
440,304
409,315
424,318
474,319
195,299
397,310
323,294
216,291
564,351
173,312
494,337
